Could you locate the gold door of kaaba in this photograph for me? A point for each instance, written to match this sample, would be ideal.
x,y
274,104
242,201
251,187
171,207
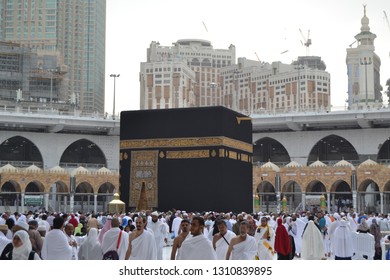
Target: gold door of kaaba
x,y
143,179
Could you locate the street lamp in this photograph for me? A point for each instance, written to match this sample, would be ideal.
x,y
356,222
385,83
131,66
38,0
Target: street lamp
x,y
366,62
113,109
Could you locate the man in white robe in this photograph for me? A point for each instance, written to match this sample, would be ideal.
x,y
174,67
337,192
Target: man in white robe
x,y
300,225
221,240
325,234
110,240
176,224
69,230
160,231
4,241
56,245
271,221
208,229
352,221
185,230
265,239
243,246
197,246
142,245
4,217
43,221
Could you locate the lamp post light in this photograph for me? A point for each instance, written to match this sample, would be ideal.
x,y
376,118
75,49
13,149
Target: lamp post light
x,y
113,106
366,62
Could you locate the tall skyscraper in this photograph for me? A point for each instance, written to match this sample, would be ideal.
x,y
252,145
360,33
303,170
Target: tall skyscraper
x,y
363,65
73,28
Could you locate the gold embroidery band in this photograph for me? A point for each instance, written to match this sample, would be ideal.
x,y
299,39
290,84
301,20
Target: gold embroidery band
x,y
186,142
188,154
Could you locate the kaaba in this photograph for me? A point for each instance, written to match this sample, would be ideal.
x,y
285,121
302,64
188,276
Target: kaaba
x,y
193,159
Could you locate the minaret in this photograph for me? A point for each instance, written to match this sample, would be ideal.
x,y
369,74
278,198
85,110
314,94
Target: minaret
x,y
365,37
364,89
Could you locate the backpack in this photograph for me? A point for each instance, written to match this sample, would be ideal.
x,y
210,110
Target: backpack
x,y
388,254
113,254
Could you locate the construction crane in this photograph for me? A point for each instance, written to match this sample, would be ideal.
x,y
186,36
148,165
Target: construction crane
x,y
205,27
306,42
257,57
387,20
350,45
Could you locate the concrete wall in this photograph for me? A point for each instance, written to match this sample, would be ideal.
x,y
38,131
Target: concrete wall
x,y
53,145
367,142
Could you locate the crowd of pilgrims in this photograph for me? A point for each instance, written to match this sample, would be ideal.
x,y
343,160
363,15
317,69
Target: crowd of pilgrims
x,y
189,235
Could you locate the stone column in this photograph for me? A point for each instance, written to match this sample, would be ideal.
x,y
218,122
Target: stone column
x,y
46,201
278,202
354,191
95,202
303,202
71,205
382,204
290,206
260,203
354,200
65,203
22,202
16,202
57,205
53,189
333,200
328,202
88,202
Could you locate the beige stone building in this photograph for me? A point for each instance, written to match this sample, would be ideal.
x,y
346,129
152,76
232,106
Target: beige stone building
x,y
191,73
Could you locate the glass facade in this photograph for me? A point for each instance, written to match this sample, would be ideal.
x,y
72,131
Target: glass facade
x,y
74,28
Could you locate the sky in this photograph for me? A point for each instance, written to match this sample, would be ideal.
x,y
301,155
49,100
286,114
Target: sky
x,y
263,27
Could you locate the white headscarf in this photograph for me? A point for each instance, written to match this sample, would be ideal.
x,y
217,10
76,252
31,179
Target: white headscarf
x,y
22,252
